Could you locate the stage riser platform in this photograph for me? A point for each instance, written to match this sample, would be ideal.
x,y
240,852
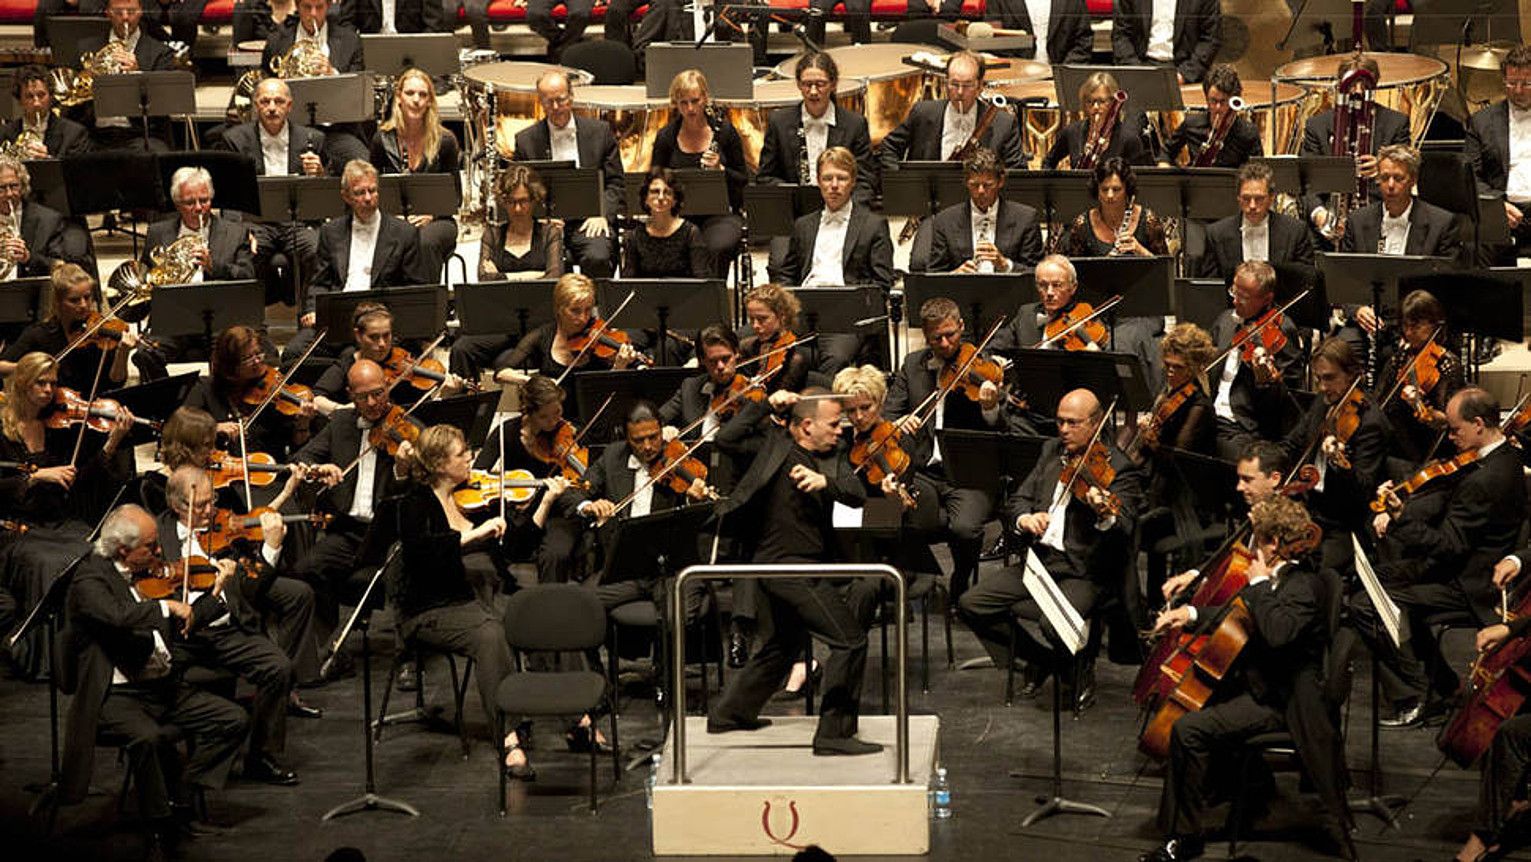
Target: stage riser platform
x,y
765,794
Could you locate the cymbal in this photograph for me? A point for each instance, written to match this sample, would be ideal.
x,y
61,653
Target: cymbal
x,y
1484,58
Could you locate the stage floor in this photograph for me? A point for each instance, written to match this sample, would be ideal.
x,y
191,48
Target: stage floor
x,y
981,742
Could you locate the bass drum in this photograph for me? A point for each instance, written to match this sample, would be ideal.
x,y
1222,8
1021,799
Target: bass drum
x,y
505,95
1276,127
892,86
634,118
750,117
1409,83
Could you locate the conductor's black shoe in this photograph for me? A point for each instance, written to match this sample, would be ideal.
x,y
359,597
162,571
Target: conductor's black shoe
x,y
844,746
264,767
997,551
719,725
1174,850
1032,680
1412,714
738,649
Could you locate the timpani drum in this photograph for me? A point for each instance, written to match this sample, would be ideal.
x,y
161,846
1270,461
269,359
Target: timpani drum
x,y
750,117
892,86
1409,83
998,72
506,95
635,119
1257,107
1041,121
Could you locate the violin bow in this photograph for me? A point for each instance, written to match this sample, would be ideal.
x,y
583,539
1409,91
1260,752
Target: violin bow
x,y
1239,342
1398,384
502,471
594,336
244,467
934,398
277,389
1062,498
414,361
1106,306
755,382
95,385
775,350
1329,415
650,480
91,330
412,408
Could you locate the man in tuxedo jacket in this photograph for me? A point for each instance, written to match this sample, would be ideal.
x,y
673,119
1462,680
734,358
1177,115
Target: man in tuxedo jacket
x,y
364,249
729,453
842,244
136,51
61,136
1250,399
408,16
1255,233
1242,140
936,128
117,664
813,126
40,241
342,49
1085,548
1389,127
1503,170
278,147
1008,238
1064,28
1195,28
560,136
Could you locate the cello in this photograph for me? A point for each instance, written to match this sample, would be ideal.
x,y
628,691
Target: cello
x,y
1495,688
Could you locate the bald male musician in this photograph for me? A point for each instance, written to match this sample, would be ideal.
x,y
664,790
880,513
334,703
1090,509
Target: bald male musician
x,y
342,49
937,128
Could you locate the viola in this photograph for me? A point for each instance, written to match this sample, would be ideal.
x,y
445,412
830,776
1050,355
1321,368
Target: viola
x,y
1341,422
775,352
1259,341
1165,407
289,399
1078,328
165,579
560,448
401,366
677,468
1394,498
1092,469
1423,373
225,469
880,453
727,400
603,341
1494,690
69,408
228,527
484,488
968,371
396,427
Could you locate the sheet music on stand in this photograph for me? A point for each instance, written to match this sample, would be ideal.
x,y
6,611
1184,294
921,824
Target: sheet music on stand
x,y
1387,610
1066,622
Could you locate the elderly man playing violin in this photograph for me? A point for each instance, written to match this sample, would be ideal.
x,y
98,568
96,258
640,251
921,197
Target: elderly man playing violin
x,y
1260,358
1444,539
1077,510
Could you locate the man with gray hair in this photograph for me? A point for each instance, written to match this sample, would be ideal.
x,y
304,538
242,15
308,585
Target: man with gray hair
x,y
116,663
31,234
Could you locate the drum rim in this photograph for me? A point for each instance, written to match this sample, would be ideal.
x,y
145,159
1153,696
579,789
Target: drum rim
x,y
579,77
1382,60
785,68
856,85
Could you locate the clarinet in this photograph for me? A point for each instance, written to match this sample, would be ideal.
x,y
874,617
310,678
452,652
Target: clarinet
x,y
803,176
1372,338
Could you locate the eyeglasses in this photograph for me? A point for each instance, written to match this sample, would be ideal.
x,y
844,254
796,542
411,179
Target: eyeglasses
x,y
660,192
10,187
815,85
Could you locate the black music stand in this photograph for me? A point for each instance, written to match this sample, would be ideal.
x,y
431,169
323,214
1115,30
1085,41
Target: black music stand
x,y
134,184
419,194
1146,284
503,307
146,94
1200,301
48,186
1205,194
392,53
205,309
20,301
1311,175
677,304
67,32
572,193
154,400
985,459
298,199
706,192
922,188
729,67
1365,279
771,209
1213,481
1057,195
233,177
1051,374
1482,303
419,312
471,414
982,298
1153,88
853,309
345,98
625,388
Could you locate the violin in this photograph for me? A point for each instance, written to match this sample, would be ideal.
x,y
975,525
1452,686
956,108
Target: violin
x,y
1423,372
560,448
1259,341
396,427
1165,407
1092,469
484,488
1078,328
1493,691
603,341
677,468
225,469
165,579
19,466
967,372
1393,498
423,374
228,527
288,398
773,354
728,399
879,453
69,408
1341,422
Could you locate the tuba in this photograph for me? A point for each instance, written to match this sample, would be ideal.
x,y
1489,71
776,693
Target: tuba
x,y
305,59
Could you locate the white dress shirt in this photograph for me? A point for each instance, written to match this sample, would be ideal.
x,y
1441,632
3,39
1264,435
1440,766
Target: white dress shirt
x,y
564,142
1161,31
1040,11
828,268
956,128
1518,185
1222,403
366,470
363,244
158,664
984,224
1257,238
390,16
273,149
816,136
1395,232
643,489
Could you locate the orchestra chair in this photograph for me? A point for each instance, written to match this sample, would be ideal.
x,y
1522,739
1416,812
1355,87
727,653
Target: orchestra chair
x,y
610,62
919,253
554,618
923,587
1280,743
418,654
1440,624
704,644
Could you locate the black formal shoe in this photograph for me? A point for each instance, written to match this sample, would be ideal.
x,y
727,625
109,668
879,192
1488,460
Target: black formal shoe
x,y
718,725
1082,692
997,551
1032,679
1411,715
409,679
204,829
738,649
298,709
265,768
1174,850
581,739
845,746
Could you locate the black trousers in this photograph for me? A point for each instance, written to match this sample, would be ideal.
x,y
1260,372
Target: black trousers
x,y
258,660
858,19
468,629
539,17
290,606
279,247
326,568
596,256
146,716
1198,742
964,513
1419,668
990,605
799,608
1504,776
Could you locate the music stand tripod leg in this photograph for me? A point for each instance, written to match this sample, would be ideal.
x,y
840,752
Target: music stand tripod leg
x,y
1058,803
1381,805
369,800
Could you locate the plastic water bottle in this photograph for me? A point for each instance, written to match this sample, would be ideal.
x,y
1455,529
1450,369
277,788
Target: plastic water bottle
x,y
655,760
941,796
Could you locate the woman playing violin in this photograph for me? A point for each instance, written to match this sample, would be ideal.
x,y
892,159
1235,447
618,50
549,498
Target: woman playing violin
x,y
1420,377
237,367
373,335
772,312
70,307
189,438
55,489
1118,224
550,349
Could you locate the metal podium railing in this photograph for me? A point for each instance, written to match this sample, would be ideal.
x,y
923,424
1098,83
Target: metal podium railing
x,y
779,571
